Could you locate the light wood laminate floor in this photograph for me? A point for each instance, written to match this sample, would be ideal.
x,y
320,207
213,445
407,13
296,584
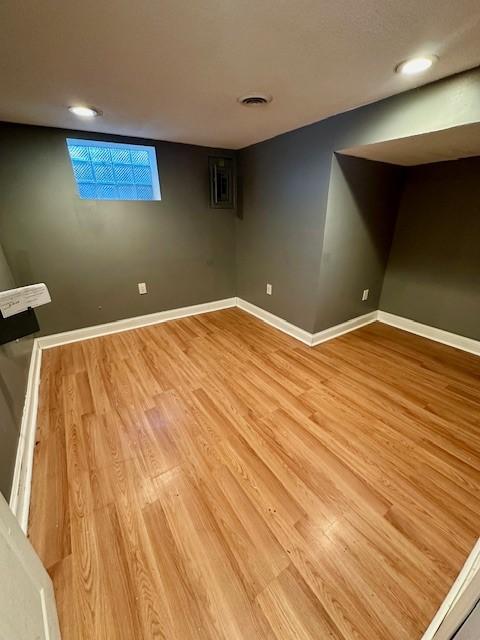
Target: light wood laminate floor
x,y
213,478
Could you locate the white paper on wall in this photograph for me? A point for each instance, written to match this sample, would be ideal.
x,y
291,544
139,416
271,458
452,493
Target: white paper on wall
x,y
15,301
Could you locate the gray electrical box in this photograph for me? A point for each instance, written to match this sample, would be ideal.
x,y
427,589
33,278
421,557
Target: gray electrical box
x,y
223,188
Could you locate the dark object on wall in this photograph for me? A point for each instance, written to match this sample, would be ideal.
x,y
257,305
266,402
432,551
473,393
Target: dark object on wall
x,y
222,183
17,326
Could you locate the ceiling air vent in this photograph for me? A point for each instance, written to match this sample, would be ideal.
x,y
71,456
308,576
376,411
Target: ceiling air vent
x,y
254,99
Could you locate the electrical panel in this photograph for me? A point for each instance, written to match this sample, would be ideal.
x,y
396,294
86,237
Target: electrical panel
x,y
223,187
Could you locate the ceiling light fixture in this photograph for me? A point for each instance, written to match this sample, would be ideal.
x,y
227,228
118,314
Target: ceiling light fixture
x,y
85,112
415,65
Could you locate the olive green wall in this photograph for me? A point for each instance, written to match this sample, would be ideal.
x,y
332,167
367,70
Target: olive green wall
x,y
280,234
14,361
433,273
286,183
92,254
360,219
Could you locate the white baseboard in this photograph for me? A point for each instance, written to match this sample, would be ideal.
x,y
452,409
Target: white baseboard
x,y
424,330
310,339
313,339
438,335
58,339
345,327
22,476
275,321
468,573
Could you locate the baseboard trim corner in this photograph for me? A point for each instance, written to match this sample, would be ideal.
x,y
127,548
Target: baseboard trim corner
x,y
275,321
22,476
76,335
432,333
310,339
344,327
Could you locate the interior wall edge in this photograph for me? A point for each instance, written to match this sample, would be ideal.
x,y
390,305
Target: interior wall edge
x,y
22,477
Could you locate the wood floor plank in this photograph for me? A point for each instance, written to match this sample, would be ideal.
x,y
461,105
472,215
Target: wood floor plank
x,y
50,513
201,545
118,574
185,616
61,574
293,610
93,605
212,478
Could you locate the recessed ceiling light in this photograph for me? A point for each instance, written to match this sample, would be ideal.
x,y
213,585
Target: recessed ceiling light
x,y
415,65
85,112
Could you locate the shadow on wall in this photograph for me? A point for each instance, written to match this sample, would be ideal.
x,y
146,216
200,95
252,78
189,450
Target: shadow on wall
x,y
433,273
362,209
376,189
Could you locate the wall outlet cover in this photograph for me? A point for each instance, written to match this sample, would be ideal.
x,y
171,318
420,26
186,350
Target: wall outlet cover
x,y
142,288
269,289
365,294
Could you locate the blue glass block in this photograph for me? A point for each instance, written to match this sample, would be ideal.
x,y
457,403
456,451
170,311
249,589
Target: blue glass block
x,y
83,172
144,193
100,154
104,173
87,190
127,192
112,172
142,175
120,156
78,153
123,174
107,192
139,156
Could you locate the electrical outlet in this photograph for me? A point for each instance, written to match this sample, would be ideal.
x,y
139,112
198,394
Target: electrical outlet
x,y
269,289
142,288
365,294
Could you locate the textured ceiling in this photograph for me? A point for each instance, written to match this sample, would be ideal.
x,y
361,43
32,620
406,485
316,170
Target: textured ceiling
x,y
172,69
435,146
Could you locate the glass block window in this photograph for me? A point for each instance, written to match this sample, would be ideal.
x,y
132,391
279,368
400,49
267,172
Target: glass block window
x,y
111,171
